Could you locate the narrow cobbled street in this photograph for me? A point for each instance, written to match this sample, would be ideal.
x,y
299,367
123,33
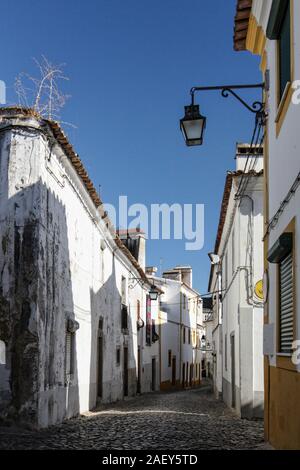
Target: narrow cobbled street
x,y
187,420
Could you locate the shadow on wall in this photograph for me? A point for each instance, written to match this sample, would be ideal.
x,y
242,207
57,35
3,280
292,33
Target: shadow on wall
x,y
39,379
113,368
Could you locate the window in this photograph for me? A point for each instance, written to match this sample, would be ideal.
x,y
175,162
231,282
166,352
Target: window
x,y
184,335
118,356
2,353
279,28
124,317
184,301
225,271
155,336
148,321
169,358
69,354
102,264
189,336
225,339
138,310
124,290
286,320
233,252
281,254
284,52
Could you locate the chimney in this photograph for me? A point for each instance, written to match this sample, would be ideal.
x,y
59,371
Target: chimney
x,y
135,241
180,273
242,154
151,271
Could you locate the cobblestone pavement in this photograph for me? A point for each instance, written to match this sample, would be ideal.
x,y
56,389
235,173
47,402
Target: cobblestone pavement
x,y
185,420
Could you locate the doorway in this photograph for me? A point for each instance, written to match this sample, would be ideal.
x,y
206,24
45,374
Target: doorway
x,y
187,375
100,360
125,372
139,371
232,349
153,384
191,374
174,370
183,375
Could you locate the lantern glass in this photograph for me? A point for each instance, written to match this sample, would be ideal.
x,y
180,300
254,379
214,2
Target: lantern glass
x,y
153,294
193,125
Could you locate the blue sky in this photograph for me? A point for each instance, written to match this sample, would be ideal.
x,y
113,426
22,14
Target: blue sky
x,y
131,64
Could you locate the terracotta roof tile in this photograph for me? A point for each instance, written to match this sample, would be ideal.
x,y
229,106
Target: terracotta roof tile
x,y
241,23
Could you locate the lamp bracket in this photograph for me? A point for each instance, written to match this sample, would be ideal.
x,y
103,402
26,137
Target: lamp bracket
x,y
134,281
257,107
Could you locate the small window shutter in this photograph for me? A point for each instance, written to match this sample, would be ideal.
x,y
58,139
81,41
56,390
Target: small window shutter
x,y
286,304
68,353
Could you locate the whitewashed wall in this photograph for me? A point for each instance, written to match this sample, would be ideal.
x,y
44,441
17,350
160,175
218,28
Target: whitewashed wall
x,y
242,313
51,255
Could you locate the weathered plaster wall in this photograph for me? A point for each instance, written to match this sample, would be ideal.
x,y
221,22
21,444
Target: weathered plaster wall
x,y
19,232
56,264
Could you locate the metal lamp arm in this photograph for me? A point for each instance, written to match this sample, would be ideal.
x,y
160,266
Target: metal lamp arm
x,y
256,107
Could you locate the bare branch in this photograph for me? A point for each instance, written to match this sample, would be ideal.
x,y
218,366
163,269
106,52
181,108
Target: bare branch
x,y
45,97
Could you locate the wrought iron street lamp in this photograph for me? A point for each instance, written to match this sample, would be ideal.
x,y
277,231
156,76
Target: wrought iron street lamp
x,y
153,293
193,124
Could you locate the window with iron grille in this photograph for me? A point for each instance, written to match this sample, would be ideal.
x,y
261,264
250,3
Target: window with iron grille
x,y
69,354
286,304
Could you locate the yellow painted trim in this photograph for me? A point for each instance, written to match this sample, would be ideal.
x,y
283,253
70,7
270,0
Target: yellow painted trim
x,y
284,433
256,38
263,62
284,103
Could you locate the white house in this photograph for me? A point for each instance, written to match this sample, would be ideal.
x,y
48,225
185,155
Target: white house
x,y
271,29
207,341
68,317
146,314
213,328
235,283
180,329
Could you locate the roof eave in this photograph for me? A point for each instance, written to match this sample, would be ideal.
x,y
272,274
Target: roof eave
x,y
241,24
